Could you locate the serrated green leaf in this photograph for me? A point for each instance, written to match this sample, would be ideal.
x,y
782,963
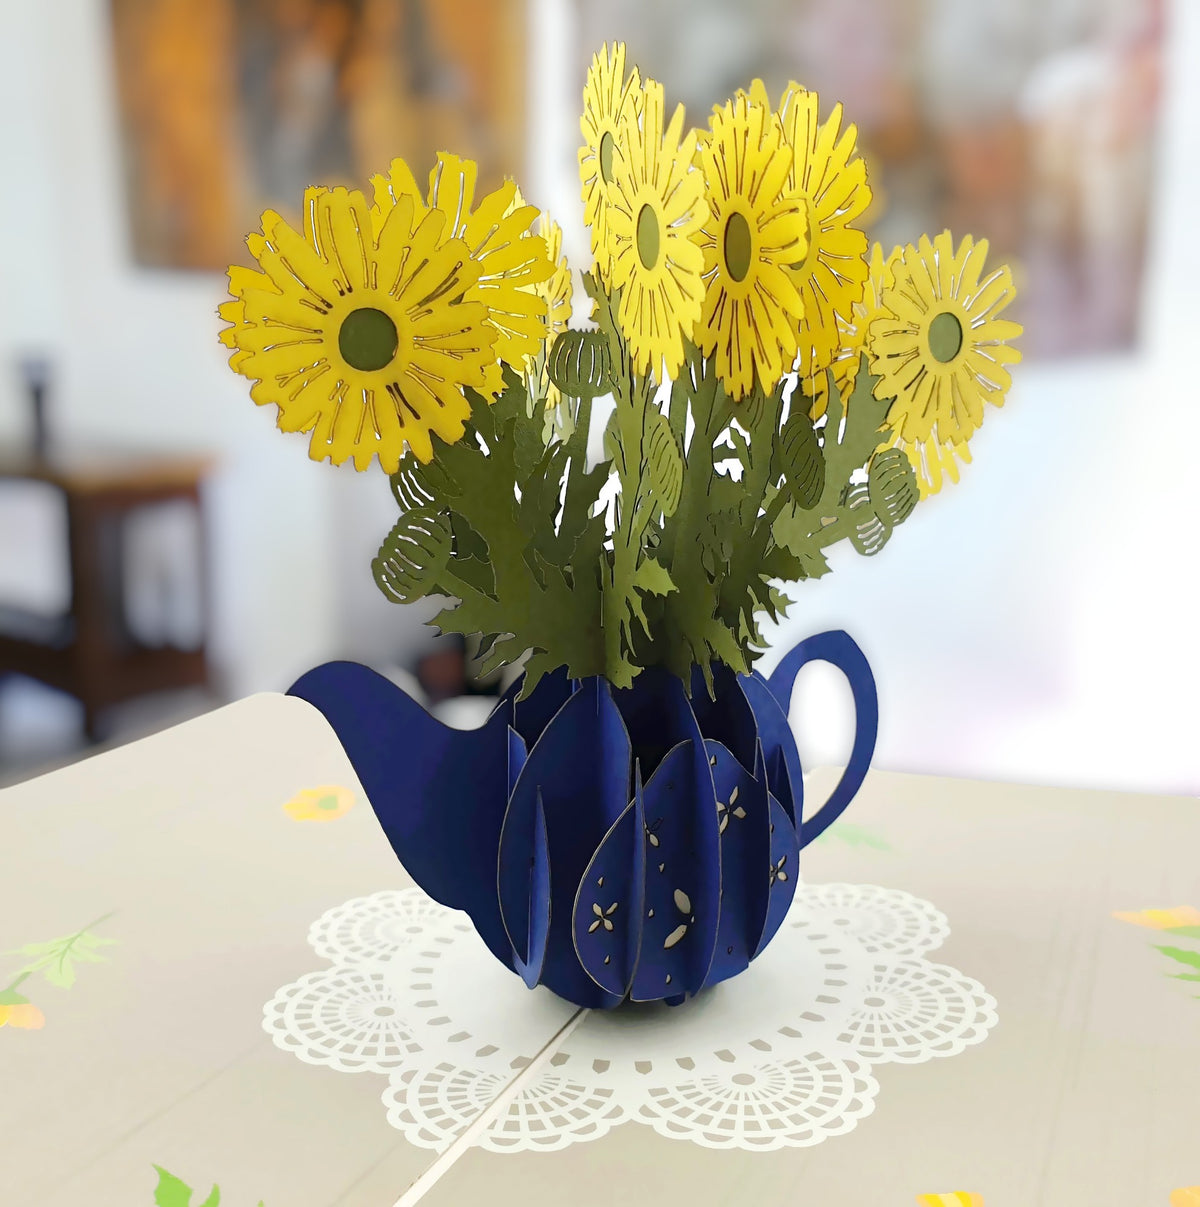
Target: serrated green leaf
x,y
467,542
612,443
862,431
652,578
413,555
781,563
475,572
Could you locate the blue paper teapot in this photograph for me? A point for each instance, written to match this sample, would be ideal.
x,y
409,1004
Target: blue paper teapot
x,y
612,844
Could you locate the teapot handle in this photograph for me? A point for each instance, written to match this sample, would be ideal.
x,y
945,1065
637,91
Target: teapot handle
x,y
837,648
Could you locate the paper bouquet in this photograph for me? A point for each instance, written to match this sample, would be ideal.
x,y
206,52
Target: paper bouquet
x,y
618,507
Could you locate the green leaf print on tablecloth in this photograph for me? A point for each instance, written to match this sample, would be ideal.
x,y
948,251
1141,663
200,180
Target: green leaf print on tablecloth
x,y
171,1192
55,961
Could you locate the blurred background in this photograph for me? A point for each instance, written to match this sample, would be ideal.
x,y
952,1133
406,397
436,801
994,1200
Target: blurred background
x,y
163,549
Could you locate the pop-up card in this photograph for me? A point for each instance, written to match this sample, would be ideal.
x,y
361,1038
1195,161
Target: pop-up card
x,y
627,823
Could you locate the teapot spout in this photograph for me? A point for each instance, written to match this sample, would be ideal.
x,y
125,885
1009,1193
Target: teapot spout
x,y
439,793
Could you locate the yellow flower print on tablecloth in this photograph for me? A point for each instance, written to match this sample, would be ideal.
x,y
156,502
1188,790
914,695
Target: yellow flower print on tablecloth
x,y
1183,919
1186,1196
18,1011
1182,922
320,804
955,1198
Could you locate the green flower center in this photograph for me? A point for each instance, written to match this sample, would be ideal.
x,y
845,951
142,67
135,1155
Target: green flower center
x,y
606,153
647,236
945,337
367,339
738,245
327,803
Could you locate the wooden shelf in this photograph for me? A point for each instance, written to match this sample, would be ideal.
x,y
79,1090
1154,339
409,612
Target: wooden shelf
x,y
89,651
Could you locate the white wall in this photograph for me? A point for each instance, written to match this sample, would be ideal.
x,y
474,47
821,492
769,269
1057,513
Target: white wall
x,y
136,350
1038,621
1033,623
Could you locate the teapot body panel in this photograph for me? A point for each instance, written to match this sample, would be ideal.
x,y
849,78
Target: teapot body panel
x,y
634,844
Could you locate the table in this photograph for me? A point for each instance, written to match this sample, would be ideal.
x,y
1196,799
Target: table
x,y
203,899
89,652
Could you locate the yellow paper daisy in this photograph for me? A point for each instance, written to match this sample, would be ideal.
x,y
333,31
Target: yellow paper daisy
x,y
558,290
831,182
852,336
656,209
937,344
364,343
497,233
609,96
558,294
933,462
754,234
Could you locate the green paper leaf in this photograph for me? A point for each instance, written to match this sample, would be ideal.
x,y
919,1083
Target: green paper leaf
x,y
892,486
410,485
855,430
580,363
801,460
1190,958
612,443
780,563
652,578
868,532
467,542
664,463
474,572
413,555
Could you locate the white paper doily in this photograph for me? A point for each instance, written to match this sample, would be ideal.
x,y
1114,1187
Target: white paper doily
x,y
779,1057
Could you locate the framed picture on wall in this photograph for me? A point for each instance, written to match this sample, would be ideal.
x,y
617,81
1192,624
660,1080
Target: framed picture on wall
x,y
232,106
1033,120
